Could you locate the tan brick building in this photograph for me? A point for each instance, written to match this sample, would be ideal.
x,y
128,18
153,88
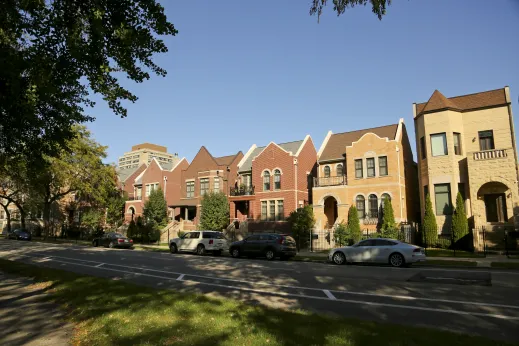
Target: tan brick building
x,y
144,153
467,144
361,168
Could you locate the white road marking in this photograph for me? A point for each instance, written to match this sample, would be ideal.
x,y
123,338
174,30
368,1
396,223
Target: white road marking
x,y
505,317
180,277
389,296
329,295
97,266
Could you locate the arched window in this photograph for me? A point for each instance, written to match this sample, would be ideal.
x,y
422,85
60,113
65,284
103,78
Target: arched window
x,y
277,179
373,206
361,206
326,171
266,181
340,170
383,199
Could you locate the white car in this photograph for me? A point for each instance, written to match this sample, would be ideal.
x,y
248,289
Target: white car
x,y
378,250
200,242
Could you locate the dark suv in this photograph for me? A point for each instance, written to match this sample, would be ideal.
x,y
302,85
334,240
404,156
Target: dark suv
x,y
267,245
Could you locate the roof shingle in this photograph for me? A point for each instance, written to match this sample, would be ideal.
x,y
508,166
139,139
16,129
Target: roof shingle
x,y
292,147
462,103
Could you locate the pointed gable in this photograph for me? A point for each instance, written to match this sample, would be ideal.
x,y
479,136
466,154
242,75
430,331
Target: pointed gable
x,y
439,101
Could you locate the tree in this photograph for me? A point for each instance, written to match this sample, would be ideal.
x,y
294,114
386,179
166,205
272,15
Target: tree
x,y
354,232
377,6
215,211
92,219
56,53
301,221
155,210
133,230
460,226
115,210
430,228
389,228
340,235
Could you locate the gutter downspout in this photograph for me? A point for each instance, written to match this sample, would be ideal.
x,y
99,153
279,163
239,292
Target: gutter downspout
x,y
295,182
399,185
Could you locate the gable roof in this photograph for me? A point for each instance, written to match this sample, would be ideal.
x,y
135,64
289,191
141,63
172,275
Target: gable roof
x,y
337,143
125,173
463,103
292,147
225,160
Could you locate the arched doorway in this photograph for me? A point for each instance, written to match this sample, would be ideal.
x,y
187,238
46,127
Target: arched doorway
x,y
330,210
132,211
494,195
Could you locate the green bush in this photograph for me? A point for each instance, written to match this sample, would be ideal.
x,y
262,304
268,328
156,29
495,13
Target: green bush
x,y
132,231
460,225
340,235
301,222
430,227
354,233
215,211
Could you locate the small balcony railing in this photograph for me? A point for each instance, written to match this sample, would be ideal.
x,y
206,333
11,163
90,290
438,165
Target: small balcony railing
x,y
241,191
330,181
134,198
490,154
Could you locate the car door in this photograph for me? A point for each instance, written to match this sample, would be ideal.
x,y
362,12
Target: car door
x,y
184,241
192,242
105,239
381,250
361,252
250,245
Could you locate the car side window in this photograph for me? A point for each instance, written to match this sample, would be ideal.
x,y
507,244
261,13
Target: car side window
x,y
253,238
265,237
369,242
195,235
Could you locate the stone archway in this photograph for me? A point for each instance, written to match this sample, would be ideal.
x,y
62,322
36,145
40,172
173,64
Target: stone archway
x,y
494,202
330,211
132,211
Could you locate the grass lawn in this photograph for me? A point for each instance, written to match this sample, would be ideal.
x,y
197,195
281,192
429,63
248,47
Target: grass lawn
x,y
153,248
509,265
450,253
109,312
447,263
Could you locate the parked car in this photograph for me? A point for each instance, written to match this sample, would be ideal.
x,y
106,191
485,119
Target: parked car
x,y
267,245
113,240
378,250
199,242
20,234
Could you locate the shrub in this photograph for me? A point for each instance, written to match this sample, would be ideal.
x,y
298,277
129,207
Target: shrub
x,y
354,232
430,228
301,222
340,235
215,211
460,225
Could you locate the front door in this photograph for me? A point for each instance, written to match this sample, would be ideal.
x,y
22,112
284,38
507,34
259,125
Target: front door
x,y
495,207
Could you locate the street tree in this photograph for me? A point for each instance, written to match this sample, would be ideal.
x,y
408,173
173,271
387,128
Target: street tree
x,y
378,7
155,210
301,222
215,211
56,54
115,210
354,232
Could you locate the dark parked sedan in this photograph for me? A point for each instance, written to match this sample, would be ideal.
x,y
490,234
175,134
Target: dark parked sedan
x,y
267,245
20,234
112,240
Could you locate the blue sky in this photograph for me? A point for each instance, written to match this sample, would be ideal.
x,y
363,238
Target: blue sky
x,y
251,72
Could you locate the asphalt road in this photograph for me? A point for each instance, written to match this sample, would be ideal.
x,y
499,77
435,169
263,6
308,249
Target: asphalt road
x,y
473,301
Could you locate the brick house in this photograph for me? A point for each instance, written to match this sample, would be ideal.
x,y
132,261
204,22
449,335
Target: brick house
x,y
362,168
166,175
205,173
273,181
467,144
126,178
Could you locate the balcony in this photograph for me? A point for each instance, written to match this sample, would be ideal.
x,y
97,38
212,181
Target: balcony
x,y
134,198
330,181
490,154
241,191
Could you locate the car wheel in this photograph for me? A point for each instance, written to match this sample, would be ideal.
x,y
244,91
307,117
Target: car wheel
x,y
111,245
217,253
339,258
396,260
173,248
235,252
200,250
270,254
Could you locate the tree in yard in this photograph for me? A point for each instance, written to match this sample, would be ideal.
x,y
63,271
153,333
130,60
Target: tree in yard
x,y
340,235
92,219
115,210
55,54
133,231
354,233
156,210
378,7
430,227
301,221
460,226
215,211
389,228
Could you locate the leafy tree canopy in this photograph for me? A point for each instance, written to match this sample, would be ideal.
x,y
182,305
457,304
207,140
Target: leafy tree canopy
x,y
301,221
215,211
156,209
340,6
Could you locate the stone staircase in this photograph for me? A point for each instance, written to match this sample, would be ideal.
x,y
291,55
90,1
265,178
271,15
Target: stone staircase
x,y
170,231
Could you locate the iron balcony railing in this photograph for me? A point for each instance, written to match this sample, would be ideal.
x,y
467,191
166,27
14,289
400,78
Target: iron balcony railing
x,y
241,191
330,181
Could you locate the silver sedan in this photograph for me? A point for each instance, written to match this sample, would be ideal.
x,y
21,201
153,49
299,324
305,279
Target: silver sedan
x,y
378,250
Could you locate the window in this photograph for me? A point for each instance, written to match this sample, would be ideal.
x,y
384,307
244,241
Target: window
x,y
442,196
277,179
370,164
151,187
190,189
280,215
272,211
457,143
340,170
139,192
382,165
246,180
216,184
461,190
266,181
373,206
263,210
326,171
383,198
358,168
204,186
439,144
359,201
486,140
423,148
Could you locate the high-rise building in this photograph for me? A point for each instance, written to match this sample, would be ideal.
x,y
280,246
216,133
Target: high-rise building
x,y
144,153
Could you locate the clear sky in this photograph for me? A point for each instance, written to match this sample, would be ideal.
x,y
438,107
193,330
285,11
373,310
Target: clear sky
x,y
251,72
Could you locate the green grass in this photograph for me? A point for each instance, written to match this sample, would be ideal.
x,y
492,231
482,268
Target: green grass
x,y
153,248
508,265
450,253
109,312
447,263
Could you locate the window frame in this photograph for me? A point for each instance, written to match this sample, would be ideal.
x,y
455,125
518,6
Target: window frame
x,y
272,210
190,189
380,166
359,171
449,196
358,199
456,136
445,143
341,169
266,180
368,168
491,137
327,171
280,212
264,210
204,186
277,179
216,184
373,205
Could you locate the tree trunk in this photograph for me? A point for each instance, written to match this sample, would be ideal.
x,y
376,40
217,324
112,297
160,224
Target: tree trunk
x,y
46,218
8,216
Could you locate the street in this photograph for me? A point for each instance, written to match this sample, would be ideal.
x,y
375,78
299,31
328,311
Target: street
x,y
474,301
